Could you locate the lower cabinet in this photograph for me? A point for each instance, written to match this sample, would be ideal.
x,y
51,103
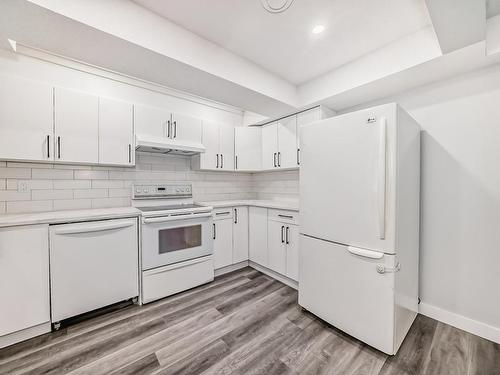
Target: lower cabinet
x,y
223,237
24,283
257,232
240,234
283,254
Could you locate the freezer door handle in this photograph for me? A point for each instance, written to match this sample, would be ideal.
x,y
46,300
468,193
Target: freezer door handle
x,y
365,252
381,186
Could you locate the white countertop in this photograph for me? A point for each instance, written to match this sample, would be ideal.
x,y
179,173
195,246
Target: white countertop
x,y
281,205
57,217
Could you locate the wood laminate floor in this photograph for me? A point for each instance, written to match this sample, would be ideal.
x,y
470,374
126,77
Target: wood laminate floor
x,y
242,323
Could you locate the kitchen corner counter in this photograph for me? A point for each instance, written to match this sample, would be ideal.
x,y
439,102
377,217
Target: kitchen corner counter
x,y
276,204
58,217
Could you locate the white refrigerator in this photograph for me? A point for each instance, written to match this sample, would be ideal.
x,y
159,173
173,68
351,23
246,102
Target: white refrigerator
x,y
359,215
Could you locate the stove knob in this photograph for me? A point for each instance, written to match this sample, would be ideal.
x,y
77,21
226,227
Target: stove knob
x,y
177,190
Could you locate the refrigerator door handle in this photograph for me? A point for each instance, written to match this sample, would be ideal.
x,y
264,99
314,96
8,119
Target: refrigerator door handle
x,y
365,252
381,186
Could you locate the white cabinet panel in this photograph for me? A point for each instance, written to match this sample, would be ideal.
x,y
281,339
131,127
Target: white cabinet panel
x,y
248,148
269,146
287,142
24,278
223,243
76,126
257,218
240,234
276,246
116,132
151,121
26,120
186,128
99,259
218,140
210,139
292,251
226,146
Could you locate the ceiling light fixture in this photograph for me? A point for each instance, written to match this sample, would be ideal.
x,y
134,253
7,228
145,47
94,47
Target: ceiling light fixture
x,y
276,6
318,29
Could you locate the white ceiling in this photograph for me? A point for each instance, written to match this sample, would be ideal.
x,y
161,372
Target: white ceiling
x,y
283,43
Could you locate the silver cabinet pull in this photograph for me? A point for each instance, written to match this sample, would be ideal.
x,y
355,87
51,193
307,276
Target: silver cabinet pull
x,y
222,160
286,216
287,235
214,231
236,216
175,129
274,159
279,159
129,153
298,156
48,146
282,234
217,166
59,147
222,213
168,129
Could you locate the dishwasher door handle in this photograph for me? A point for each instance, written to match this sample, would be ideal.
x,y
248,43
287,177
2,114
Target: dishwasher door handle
x,y
90,228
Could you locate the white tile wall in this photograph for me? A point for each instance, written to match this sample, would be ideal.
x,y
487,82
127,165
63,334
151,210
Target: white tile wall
x,y
277,185
62,187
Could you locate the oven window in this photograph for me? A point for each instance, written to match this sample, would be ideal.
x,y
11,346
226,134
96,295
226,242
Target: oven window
x,y
179,238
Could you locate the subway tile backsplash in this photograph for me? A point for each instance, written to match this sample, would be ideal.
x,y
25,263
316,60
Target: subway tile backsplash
x,y
33,187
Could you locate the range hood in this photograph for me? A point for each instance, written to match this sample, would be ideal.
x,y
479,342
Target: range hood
x,y
162,145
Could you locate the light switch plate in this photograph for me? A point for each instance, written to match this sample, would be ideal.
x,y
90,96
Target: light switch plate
x,y
22,186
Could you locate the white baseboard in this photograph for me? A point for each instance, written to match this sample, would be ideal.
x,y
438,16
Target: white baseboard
x,y
459,321
285,280
24,334
231,268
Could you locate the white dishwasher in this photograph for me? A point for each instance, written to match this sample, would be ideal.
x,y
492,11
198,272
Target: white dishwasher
x,y
92,265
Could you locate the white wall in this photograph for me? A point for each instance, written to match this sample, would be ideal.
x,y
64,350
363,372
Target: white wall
x,y
460,198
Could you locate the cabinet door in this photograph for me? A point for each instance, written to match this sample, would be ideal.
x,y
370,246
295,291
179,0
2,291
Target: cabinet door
x,y
210,159
226,146
305,118
223,243
185,128
26,120
248,148
24,278
116,132
269,146
276,246
151,121
287,142
292,252
76,126
257,228
240,234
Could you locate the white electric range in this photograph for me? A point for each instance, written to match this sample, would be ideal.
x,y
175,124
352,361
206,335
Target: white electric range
x,y
176,240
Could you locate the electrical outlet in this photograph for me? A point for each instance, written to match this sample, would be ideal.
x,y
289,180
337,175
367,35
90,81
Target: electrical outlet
x,y
22,186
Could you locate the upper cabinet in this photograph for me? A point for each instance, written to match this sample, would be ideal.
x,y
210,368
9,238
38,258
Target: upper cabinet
x,y
248,148
218,139
116,132
152,122
76,126
26,120
279,144
185,128
281,141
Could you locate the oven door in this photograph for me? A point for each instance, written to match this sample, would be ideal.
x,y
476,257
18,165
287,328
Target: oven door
x,y
168,240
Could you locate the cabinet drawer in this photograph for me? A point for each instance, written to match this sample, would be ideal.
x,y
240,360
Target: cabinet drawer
x,y
223,213
285,216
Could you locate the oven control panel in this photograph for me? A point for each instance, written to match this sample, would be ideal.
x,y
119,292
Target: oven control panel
x,y
162,191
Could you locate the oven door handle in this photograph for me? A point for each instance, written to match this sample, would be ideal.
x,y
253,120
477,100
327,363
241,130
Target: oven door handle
x,y
163,219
